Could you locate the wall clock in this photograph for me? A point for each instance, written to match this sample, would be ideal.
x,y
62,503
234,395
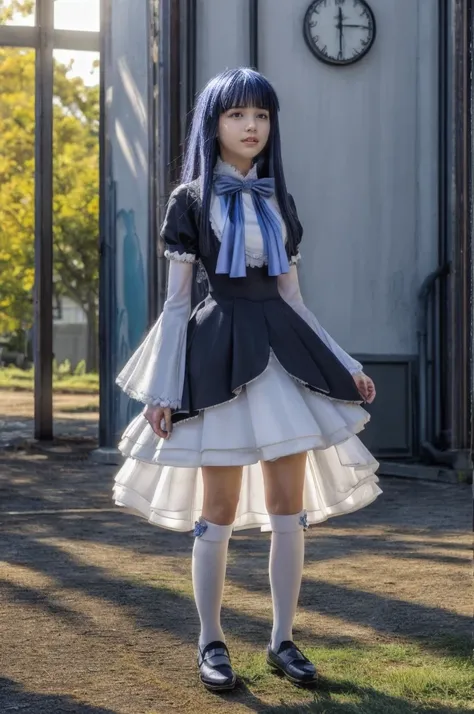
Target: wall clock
x,y
339,32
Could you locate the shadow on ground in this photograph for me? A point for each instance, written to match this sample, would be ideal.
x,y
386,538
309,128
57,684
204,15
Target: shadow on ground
x,y
14,697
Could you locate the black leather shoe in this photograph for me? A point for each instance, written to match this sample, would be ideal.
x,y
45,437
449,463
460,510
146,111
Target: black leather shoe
x,y
216,672
292,663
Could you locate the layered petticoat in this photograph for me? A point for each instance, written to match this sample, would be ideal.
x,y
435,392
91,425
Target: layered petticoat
x,y
274,415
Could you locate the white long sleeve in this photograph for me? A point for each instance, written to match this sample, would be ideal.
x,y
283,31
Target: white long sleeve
x,y
289,289
155,372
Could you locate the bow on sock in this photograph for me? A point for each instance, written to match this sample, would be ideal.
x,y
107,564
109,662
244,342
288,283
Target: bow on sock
x,y
231,258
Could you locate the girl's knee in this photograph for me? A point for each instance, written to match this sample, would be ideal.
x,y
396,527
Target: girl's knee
x,y
284,506
220,515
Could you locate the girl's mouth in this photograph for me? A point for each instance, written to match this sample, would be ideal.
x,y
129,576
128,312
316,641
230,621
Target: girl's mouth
x,y
250,140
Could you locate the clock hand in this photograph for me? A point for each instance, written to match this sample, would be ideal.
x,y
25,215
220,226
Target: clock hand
x,y
340,26
363,27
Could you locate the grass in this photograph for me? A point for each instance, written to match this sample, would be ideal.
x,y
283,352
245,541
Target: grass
x,y
16,379
389,678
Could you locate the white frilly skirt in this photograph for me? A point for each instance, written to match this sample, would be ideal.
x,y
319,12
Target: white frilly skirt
x,y
273,416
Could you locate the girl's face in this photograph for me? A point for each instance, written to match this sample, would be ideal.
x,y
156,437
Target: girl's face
x,y
243,134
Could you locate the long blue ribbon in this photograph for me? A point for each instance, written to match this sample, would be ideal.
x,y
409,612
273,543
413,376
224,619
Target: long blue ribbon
x,y
231,259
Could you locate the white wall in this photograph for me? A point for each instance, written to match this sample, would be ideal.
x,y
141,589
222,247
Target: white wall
x,y
359,145
222,37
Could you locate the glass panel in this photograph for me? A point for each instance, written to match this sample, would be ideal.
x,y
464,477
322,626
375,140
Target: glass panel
x,y
76,241
77,15
17,215
17,12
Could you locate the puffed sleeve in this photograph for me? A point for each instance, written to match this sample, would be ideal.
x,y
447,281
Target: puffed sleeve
x,y
289,289
155,372
179,230
294,256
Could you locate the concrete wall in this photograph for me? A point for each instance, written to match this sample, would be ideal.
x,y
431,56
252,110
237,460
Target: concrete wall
x,y
222,37
127,133
359,145
70,342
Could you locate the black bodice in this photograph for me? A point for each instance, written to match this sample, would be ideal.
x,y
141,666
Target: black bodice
x,y
230,335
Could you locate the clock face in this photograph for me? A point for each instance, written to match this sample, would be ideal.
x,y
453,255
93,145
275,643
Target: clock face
x,y
339,31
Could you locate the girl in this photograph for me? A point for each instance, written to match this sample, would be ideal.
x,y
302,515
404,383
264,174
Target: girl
x,y
251,407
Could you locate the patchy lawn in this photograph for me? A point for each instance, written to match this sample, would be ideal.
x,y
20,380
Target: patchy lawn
x,y
97,614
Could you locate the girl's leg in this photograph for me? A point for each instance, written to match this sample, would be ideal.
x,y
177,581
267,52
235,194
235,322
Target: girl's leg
x,y
221,497
284,481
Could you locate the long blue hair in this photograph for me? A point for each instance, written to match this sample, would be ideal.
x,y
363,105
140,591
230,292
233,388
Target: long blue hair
x,y
242,87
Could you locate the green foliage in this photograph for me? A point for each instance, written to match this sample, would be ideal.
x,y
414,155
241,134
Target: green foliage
x,y
13,378
9,9
75,185
80,368
65,368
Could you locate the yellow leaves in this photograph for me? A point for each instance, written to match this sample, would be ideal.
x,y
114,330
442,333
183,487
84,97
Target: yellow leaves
x,y
75,182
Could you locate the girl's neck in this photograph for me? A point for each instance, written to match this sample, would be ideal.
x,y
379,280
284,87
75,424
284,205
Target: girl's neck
x,y
240,163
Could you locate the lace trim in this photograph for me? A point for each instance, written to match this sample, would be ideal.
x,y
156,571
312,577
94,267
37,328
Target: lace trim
x,y
147,398
255,261
237,391
223,168
201,275
180,257
295,258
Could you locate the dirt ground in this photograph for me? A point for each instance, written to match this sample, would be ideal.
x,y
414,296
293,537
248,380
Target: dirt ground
x,y
96,608
74,415
65,406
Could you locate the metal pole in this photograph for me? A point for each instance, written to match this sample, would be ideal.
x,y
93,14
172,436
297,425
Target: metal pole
x,y
442,416
253,33
43,291
461,297
168,117
152,258
191,57
106,260
175,83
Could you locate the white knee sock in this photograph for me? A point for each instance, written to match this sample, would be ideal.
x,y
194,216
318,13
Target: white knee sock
x,y
208,571
285,571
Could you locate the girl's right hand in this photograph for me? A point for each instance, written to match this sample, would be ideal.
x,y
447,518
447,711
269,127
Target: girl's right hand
x,y
155,415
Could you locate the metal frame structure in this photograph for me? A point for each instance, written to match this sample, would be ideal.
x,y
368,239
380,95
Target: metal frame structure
x,y
446,366
45,39
446,404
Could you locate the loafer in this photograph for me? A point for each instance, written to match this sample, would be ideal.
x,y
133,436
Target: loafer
x,y
292,663
215,670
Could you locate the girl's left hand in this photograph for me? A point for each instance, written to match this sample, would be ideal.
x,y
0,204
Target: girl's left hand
x,y
365,386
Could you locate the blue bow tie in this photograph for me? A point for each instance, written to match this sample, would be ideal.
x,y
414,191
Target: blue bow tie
x,y
231,259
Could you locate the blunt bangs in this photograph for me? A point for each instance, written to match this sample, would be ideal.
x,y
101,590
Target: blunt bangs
x,y
245,88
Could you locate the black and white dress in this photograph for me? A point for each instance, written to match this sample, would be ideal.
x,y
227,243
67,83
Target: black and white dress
x,y
250,375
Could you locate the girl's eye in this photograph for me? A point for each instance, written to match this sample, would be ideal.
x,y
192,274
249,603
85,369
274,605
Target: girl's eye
x,y
263,116
237,115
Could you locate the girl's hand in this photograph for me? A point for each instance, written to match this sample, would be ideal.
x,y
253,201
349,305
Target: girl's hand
x,y
155,415
365,386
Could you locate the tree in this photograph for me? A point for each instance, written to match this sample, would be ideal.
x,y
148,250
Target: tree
x,y
75,190
9,9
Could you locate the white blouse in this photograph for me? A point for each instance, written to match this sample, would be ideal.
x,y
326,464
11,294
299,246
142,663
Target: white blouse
x,y
155,372
254,246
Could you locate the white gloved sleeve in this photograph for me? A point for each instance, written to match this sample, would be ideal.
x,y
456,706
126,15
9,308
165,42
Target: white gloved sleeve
x,y
155,372
289,289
